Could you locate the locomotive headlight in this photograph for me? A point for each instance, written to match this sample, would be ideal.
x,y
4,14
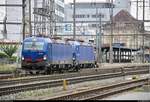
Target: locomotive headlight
x,y
22,58
44,57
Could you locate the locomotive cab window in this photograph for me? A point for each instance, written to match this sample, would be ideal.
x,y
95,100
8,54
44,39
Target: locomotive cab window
x,y
34,46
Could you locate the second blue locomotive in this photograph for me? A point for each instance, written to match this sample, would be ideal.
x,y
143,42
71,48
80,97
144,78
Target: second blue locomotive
x,y
45,55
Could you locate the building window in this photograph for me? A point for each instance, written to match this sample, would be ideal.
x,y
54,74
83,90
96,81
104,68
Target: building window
x,y
101,15
88,16
93,16
59,8
93,25
61,0
80,16
58,18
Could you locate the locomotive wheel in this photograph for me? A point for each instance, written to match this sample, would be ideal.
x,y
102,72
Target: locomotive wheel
x,y
46,71
76,68
60,71
31,73
50,71
60,68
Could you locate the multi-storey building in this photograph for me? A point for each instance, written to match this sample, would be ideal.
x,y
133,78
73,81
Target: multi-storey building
x,y
14,15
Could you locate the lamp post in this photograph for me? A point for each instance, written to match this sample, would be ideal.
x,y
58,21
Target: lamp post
x,y
143,57
74,19
30,25
149,67
98,35
111,37
23,18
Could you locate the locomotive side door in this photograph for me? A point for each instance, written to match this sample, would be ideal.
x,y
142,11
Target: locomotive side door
x,y
49,51
77,52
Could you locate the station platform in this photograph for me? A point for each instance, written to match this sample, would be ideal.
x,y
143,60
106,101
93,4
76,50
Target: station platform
x,y
116,65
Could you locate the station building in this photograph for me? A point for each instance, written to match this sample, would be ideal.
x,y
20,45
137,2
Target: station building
x,y
126,30
86,19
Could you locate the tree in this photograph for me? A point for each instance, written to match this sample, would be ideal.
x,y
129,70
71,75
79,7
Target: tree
x,y
9,49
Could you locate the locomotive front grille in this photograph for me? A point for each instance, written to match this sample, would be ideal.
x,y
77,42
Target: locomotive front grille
x,y
34,63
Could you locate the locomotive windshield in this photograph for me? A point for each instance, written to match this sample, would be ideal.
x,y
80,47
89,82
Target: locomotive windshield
x,y
33,45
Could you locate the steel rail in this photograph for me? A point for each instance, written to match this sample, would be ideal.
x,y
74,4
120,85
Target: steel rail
x,y
44,76
11,5
5,90
61,76
5,76
66,75
118,89
56,76
100,92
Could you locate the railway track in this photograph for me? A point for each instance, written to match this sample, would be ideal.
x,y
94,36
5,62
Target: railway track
x,y
6,76
5,90
100,92
129,67
24,80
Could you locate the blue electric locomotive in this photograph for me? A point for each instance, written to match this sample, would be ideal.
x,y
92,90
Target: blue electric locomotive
x,y
45,55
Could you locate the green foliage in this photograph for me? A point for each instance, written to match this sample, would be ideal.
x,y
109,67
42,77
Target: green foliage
x,y
7,68
9,50
13,59
3,55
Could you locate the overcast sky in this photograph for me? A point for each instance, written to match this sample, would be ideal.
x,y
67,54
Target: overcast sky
x,y
68,1
2,9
